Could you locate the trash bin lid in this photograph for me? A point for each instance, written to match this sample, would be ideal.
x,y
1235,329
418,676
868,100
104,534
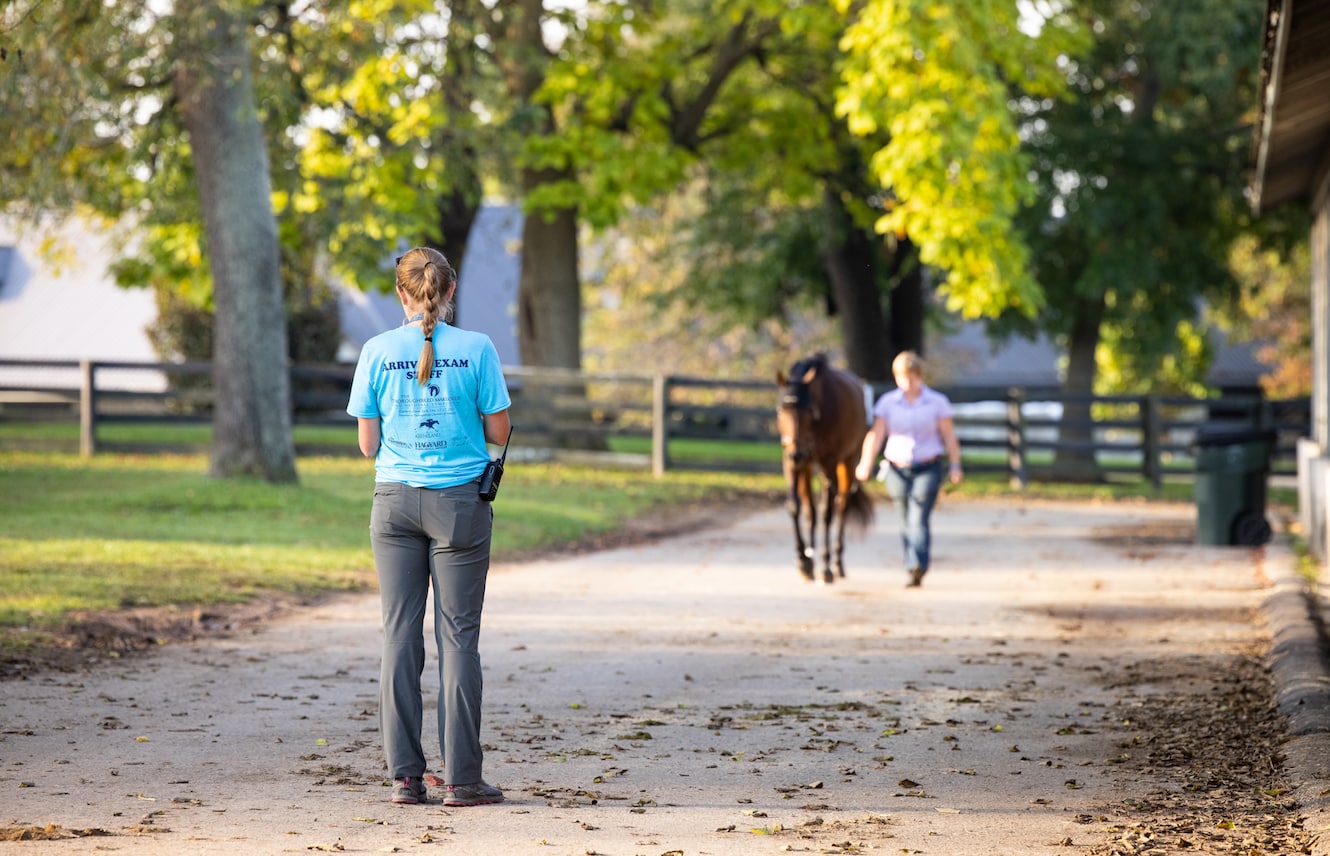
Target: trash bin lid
x,y
1231,434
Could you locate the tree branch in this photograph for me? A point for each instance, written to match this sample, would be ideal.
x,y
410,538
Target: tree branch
x,y
739,44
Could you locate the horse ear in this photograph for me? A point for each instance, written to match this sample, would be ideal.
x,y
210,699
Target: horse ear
x,y
780,378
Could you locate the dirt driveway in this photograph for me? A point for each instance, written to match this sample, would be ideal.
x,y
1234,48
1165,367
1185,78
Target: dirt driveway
x,y
1071,678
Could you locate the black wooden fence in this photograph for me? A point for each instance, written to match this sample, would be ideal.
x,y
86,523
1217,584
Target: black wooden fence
x,y
676,422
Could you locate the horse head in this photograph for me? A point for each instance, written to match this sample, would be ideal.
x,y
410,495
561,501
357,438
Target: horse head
x,y
799,409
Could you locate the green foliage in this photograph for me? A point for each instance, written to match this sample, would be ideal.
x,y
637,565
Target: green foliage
x,y
1139,179
170,259
647,309
1121,368
110,141
1274,308
72,108
938,76
387,122
719,117
404,122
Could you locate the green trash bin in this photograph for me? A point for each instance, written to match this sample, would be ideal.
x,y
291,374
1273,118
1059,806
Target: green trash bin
x,y
1232,468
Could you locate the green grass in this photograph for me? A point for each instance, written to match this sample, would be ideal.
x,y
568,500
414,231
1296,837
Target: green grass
x,y
123,530
64,435
129,530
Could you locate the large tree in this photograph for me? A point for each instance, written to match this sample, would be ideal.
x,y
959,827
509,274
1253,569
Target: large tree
x,y
1139,179
840,154
99,99
939,77
735,101
403,129
214,92
792,203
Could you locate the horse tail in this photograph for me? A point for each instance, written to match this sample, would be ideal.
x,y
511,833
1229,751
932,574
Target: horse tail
x,y
859,513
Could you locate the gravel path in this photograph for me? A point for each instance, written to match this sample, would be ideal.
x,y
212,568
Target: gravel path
x,y
694,696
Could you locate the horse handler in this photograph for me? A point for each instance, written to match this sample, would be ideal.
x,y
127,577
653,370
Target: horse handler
x,y
914,423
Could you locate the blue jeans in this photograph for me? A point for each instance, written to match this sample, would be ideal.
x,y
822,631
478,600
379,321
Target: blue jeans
x,y
914,490
437,539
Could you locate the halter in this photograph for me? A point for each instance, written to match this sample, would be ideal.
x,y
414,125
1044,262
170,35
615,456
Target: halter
x,y
797,394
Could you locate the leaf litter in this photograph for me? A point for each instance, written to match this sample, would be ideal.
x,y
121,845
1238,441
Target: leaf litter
x,y
1205,766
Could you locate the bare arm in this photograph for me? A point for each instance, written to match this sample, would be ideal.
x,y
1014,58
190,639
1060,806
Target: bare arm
x,y
369,431
873,440
497,427
947,428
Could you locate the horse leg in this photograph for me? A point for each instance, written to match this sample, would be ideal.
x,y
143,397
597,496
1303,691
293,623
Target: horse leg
x,y
797,502
831,503
838,522
845,488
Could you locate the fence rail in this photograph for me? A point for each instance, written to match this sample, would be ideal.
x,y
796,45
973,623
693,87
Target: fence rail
x,y
675,422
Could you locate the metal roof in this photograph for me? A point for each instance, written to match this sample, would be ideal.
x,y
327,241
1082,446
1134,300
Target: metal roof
x,y
1293,131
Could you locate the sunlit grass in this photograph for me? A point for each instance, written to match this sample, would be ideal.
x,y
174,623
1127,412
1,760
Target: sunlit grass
x,y
120,530
153,530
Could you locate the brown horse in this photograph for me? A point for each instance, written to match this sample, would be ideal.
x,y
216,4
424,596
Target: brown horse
x,y
822,420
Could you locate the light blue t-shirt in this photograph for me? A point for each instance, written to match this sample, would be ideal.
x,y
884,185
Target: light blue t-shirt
x,y
433,435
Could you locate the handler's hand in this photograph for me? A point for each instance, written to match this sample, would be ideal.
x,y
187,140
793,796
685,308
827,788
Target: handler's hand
x,y
864,472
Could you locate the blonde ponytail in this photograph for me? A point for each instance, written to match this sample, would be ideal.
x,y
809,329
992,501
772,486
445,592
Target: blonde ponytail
x,y
425,275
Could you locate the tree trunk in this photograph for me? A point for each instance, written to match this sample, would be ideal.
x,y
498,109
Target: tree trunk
x,y
1078,463
215,93
549,294
549,324
906,330
853,270
456,140
549,321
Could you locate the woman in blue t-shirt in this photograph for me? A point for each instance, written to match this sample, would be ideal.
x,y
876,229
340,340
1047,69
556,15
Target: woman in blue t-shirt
x,y
428,397
914,422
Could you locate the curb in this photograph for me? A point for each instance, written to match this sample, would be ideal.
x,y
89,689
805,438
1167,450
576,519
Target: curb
x,y
1299,661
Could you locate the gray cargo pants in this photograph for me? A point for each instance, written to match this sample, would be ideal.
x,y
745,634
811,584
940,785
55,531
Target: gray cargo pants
x,y
423,537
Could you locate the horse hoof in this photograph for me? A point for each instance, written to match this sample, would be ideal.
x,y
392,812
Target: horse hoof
x,y
828,577
808,573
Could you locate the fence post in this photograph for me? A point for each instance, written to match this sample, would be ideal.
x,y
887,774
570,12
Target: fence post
x,y
1152,467
87,408
660,430
1016,440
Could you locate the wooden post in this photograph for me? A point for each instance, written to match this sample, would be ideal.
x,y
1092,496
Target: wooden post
x,y
1152,467
1016,440
87,408
660,430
